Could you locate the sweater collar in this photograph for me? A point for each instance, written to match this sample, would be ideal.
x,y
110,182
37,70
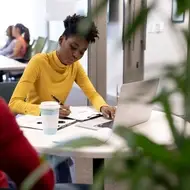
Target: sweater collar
x,y
57,62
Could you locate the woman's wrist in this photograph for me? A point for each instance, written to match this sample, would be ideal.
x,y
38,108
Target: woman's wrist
x,y
102,107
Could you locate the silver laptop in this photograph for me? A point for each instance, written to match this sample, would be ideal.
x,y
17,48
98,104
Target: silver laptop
x,y
133,107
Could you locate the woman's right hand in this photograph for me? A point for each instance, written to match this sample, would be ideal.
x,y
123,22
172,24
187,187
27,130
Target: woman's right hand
x,y
64,111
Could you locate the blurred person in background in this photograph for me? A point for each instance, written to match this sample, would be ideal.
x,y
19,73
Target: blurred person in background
x,y
22,36
8,48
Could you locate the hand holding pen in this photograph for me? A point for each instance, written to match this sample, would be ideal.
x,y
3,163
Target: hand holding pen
x,y
64,110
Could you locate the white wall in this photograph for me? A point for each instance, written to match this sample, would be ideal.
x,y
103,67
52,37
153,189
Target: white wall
x,y
167,46
29,12
162,48
115,53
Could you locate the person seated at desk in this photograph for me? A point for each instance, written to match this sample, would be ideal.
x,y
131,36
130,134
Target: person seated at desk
x,y
22,36
17,157
7,50
54,73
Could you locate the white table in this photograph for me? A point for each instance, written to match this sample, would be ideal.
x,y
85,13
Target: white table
x,y
8,64
46,144
156,129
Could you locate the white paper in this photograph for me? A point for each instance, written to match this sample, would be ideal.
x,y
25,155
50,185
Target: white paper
x,y
82,113
30,121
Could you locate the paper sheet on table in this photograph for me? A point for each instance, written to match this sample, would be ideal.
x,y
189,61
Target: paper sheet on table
x,y
83,113
35,122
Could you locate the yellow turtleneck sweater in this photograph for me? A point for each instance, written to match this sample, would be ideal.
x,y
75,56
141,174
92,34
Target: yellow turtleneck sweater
x,y
45,76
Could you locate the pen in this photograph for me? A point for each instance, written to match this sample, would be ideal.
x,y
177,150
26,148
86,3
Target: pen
x,y
59,102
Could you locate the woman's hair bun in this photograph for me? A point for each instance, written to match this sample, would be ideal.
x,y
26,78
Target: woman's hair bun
x,y
67,22
72,20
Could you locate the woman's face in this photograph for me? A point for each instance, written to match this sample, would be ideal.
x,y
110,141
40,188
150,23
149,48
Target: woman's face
x,y
9,32
15,31
71,49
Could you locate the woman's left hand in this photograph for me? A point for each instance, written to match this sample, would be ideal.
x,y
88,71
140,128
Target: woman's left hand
x,y
108,112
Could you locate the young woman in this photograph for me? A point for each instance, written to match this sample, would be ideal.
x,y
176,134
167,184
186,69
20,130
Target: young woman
x,y
47,74
7,50
22,36
17,157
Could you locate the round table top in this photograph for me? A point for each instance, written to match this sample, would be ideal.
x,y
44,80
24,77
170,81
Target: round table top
x,y
156,128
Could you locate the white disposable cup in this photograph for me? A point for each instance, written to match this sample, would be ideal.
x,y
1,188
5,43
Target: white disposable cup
x,y
50,116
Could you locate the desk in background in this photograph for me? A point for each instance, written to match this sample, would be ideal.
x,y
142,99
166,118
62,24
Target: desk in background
x,y
8,64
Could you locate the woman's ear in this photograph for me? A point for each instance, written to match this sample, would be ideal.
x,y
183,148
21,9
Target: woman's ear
x,y
61,39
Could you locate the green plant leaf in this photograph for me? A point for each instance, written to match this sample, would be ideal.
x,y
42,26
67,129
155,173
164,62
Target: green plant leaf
x,y
99,179
33,178
97,10
182,6
79,143
184,182
140,20
162,98
187,80
112,170
85,24
149,148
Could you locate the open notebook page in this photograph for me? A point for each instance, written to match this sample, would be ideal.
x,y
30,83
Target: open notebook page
x,y
83,113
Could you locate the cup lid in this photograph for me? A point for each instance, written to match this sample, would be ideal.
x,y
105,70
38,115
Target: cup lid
x,y
49,105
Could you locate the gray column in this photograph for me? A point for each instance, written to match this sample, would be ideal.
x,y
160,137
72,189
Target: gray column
x,y
48,30
133,66
97,53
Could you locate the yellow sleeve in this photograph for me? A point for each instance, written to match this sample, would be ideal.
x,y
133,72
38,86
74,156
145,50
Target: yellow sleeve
x,y
85,84
17,103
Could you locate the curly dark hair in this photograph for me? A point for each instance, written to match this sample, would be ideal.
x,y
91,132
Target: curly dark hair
x,y
71,24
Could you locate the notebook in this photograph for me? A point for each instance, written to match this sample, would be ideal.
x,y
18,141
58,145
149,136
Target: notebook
x,y
35,122
83,113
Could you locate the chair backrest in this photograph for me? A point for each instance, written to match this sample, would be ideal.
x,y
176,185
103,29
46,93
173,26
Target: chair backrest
x,y
52,45
33,43
6,90
28,54
39,45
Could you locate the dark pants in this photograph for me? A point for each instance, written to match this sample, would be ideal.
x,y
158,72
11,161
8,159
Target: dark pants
x,y
66,187
62,173
61,167
1,76
72,187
